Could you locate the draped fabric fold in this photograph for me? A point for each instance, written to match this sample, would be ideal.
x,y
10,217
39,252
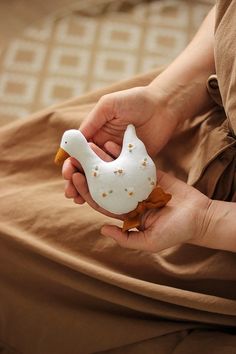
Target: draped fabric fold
x,y
66,289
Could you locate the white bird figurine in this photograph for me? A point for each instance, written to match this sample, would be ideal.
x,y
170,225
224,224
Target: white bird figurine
x,y
117,186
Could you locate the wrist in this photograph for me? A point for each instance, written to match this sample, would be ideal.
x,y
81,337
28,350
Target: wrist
x,y
164,103
218,226
184,94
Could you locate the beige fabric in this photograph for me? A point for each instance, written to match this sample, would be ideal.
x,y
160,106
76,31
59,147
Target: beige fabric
x,y
66,289
18,14
226,60
84,45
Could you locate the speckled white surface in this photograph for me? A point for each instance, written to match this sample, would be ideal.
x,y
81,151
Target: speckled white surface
x,y
119,185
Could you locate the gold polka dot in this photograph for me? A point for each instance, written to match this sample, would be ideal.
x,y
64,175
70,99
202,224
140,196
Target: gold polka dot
x,y
119,171
130,191
130,147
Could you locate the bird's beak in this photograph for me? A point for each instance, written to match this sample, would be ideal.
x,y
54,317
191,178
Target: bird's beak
x,y
61,156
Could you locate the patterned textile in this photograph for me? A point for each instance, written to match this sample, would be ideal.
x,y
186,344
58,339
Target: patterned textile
x,y
87,47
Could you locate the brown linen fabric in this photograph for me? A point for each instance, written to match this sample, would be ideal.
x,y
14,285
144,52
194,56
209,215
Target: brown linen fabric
x,y
226,59
64,288
84,45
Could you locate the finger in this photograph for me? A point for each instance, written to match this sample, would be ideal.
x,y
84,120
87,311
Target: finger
x,y
69,167
101,153
113,148
79,200
80,183
70,190
130,239
99,115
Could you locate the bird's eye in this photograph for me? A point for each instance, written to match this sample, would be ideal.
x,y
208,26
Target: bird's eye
x,y
65,142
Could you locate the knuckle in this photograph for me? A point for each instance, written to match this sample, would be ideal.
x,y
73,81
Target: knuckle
x,y
105,101
104,98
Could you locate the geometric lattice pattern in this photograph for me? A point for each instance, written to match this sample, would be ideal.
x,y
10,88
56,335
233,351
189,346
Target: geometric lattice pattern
x,y
85,50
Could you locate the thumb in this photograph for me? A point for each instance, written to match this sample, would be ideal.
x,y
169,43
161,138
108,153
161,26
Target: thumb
x,y
98,116
129,239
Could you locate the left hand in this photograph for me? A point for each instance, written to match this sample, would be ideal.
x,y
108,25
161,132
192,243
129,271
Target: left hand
x,y
182,220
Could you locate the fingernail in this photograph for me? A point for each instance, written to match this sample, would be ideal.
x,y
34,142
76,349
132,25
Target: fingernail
x,y
104,232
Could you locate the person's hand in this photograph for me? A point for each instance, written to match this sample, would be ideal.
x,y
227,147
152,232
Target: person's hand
x,y
145,108
105,125
181,221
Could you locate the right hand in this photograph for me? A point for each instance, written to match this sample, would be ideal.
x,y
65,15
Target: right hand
x,y
105,125
141,106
